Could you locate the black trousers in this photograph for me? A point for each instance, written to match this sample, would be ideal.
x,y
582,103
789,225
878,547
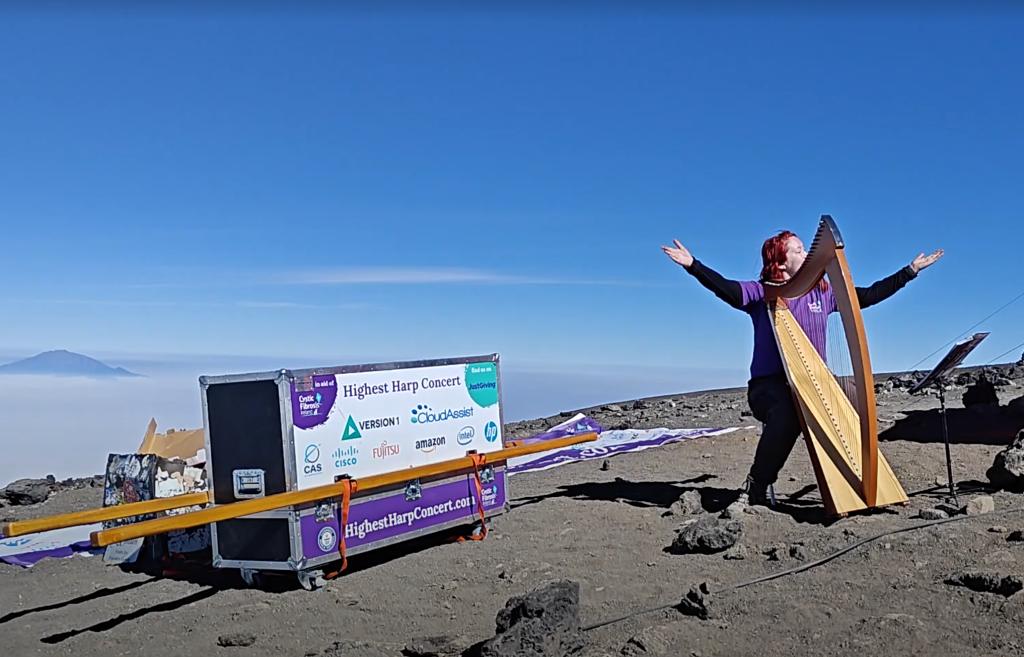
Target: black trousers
x,y
771,402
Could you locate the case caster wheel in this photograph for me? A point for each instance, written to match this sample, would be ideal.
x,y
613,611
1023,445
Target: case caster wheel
x,y
250,577
311,579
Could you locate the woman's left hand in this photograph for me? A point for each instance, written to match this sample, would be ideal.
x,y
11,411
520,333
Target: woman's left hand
x,y
922,261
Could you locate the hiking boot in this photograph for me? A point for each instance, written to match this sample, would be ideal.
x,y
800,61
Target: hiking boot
x,y
754,494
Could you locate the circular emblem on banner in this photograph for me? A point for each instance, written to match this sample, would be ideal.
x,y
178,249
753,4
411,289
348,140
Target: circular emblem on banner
x,y
326,539
482,383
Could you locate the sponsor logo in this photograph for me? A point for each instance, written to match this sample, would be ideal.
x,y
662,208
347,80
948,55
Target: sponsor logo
x,y
378,423
486,385
309,404
814,306
312,458
345,458
430,444
423,414
351,431
490,495
465,435
327,539
491,432
385,450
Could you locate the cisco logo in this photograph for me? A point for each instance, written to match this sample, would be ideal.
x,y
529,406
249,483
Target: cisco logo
x,y
491,432
344,458
465,435
312,458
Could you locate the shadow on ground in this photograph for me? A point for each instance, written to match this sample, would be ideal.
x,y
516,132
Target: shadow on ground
x,y
662,494
215,580
967,426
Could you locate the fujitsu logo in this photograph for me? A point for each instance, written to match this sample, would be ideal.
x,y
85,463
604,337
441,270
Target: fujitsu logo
x,y
385,450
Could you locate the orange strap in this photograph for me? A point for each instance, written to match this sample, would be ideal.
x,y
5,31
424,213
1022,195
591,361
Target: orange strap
x,y
348,486
479,460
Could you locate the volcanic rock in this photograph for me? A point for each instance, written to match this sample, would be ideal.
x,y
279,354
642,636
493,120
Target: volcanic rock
x,y
236,640
543,623
648,641
27,491
707,535
437,646
696,602
1007,471
688,504
980,505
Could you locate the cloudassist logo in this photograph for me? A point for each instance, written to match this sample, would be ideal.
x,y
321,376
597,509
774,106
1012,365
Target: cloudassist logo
x,y
465,435
423,414
491,432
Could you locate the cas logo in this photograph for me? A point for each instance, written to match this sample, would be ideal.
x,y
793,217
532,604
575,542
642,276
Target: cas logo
x,y
465,435
312,457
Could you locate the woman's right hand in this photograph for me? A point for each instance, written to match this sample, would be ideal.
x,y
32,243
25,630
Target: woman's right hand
x,y
679,254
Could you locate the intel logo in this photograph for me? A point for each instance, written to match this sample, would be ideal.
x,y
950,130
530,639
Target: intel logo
x,y
465,435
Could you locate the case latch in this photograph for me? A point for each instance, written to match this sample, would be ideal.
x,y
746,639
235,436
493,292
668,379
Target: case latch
x,y
413,491
249,483
324,512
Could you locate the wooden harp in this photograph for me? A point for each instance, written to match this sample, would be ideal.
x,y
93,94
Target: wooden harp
x,y
829,373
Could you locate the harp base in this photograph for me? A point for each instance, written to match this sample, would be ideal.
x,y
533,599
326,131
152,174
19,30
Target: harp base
x,y
842,489
840,496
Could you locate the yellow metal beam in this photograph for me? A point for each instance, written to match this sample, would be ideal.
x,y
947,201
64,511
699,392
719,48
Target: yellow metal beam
x,y
37,525
292,498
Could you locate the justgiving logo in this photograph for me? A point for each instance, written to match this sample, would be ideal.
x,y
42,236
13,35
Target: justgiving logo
x,y
423,414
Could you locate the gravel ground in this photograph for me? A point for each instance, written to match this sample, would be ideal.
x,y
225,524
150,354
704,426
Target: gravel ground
x,y
608,526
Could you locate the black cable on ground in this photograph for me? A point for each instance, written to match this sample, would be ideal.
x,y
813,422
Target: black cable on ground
x,y
802,567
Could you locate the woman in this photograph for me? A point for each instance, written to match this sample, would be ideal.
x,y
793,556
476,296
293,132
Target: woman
x,y
768,390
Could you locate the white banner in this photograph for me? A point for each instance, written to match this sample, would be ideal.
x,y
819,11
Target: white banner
x,y
367,423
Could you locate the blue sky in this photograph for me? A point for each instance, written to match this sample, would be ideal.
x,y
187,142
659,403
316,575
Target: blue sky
x,y
337,186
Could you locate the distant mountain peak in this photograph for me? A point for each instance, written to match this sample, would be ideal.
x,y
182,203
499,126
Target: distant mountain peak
x,y
61,362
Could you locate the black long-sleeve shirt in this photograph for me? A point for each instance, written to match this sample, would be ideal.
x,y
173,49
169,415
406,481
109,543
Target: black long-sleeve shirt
x,y
729,290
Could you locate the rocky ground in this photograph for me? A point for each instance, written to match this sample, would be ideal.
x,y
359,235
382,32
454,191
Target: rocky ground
x,y
595,541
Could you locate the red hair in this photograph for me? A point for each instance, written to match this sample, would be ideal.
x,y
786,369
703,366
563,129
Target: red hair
x,y
773,257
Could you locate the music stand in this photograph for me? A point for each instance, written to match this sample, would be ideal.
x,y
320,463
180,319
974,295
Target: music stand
x,y
938,379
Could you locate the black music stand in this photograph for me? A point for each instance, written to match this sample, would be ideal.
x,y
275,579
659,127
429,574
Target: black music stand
x,y
938,379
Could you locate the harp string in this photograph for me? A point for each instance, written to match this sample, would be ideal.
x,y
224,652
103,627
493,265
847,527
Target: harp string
x,y
826,330
839,354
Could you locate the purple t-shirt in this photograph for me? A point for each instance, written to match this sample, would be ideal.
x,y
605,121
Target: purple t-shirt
x,y
810,311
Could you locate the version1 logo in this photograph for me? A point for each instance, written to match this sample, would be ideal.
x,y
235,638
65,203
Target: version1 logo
x,y
423,414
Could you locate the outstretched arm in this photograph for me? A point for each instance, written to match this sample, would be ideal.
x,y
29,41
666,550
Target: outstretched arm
x,y
727,290
888,286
